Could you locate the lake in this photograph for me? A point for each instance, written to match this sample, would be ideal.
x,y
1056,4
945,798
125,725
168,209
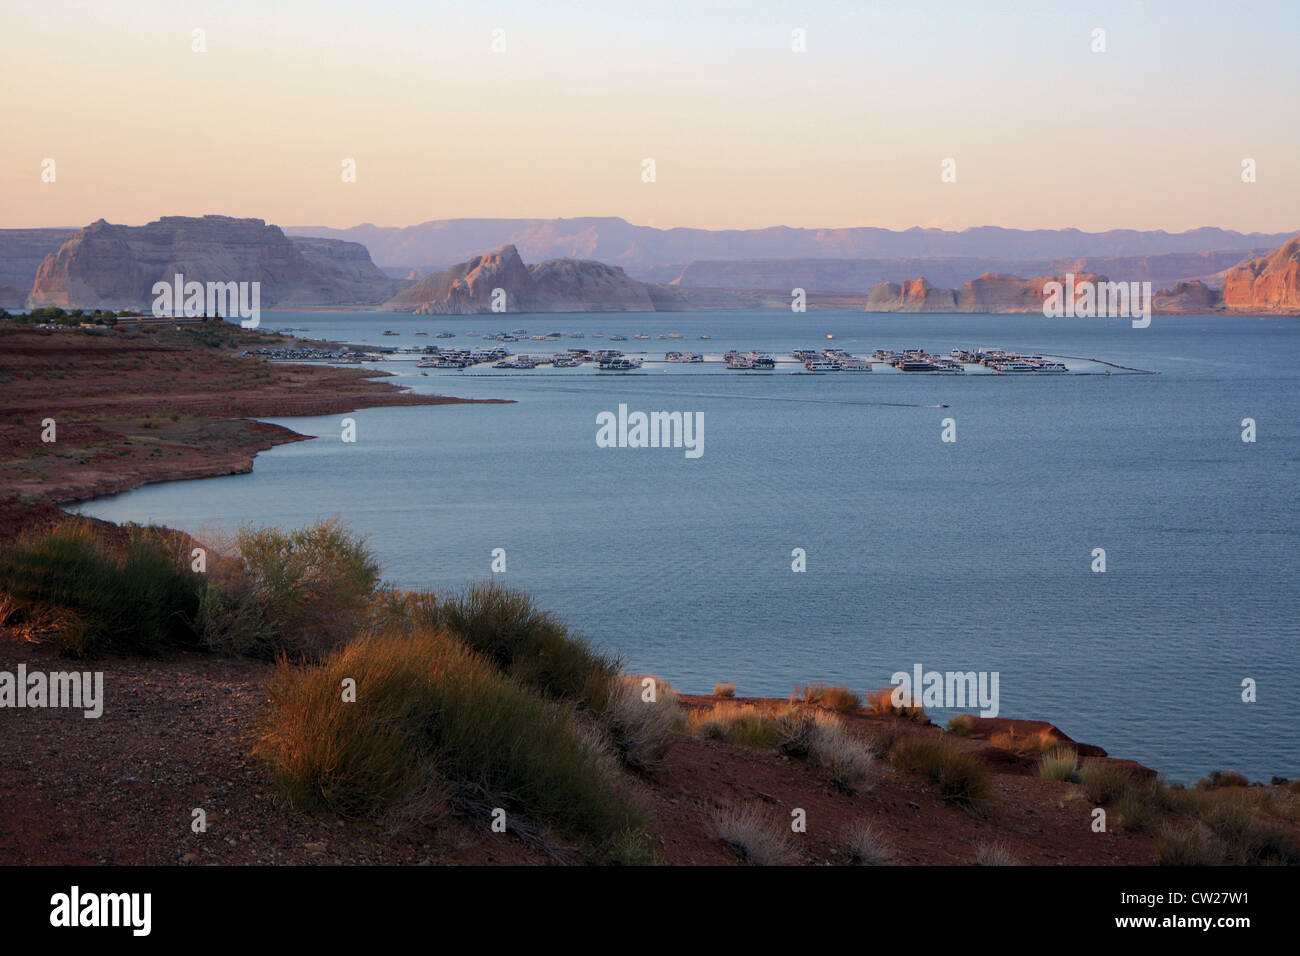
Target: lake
x,y
969,555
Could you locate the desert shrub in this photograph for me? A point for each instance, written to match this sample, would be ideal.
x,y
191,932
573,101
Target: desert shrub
x,y
1247,838
724,690
740,724
394,609
139,598
1059,763
958,777
1222,778
882,742
641,729
882,702
866,845
1035,743
529,644
429,713
1104,782
1134,809
845,762
231,622
1188,846
838,698
961,725
994,854
822,740
754,835
314,586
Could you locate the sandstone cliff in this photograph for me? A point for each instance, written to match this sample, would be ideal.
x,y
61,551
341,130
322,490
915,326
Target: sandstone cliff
x,y
21,253
1270,283
110,266
557,285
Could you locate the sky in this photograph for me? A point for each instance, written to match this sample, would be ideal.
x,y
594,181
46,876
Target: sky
x,y
744,131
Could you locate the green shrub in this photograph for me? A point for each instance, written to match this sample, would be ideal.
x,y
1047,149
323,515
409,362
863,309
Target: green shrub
x,y
1059,763
529,644
315,587
742,725
957,776
1188,846
92,598
1104,782
428,709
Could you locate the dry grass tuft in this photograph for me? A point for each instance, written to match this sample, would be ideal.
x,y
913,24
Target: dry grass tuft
x,y
867,846
882,702
750,831
642,720
838,698
994,854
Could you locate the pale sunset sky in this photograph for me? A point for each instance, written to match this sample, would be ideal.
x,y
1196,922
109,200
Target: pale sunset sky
x,y
745,132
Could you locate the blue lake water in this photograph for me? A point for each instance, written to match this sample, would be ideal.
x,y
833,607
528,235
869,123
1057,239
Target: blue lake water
x,y
972,555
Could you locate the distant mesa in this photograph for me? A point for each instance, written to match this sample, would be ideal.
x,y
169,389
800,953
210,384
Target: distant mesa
x,y
558,285
604,267
1262,285
112,266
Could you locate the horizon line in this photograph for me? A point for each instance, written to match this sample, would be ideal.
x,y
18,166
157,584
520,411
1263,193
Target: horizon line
x,y
658,228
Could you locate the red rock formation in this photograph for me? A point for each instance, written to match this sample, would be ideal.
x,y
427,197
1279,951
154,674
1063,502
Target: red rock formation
x,y
1268,284
110,266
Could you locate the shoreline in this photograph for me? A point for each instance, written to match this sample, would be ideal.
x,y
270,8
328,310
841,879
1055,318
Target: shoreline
x,y
134,407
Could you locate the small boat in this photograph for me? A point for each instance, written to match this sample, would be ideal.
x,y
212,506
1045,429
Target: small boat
x,y
706,336
440,335
420,333
618,338
621,364
389,332
640,335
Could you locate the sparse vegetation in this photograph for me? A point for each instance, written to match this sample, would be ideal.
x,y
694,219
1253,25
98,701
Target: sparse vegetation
x,y
1104,782
994,854
958,777
640,725
1038,742
724,690
740,724
430,715
961,725
1059,763
754,835
822,739
882,702
867,846
838,698
1222,778
529,644
90,596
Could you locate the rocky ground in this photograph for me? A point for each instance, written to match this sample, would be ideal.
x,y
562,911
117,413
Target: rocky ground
x,y
133,407
178,734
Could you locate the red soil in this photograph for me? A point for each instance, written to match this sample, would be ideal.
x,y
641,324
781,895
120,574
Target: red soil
x,y
134,406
